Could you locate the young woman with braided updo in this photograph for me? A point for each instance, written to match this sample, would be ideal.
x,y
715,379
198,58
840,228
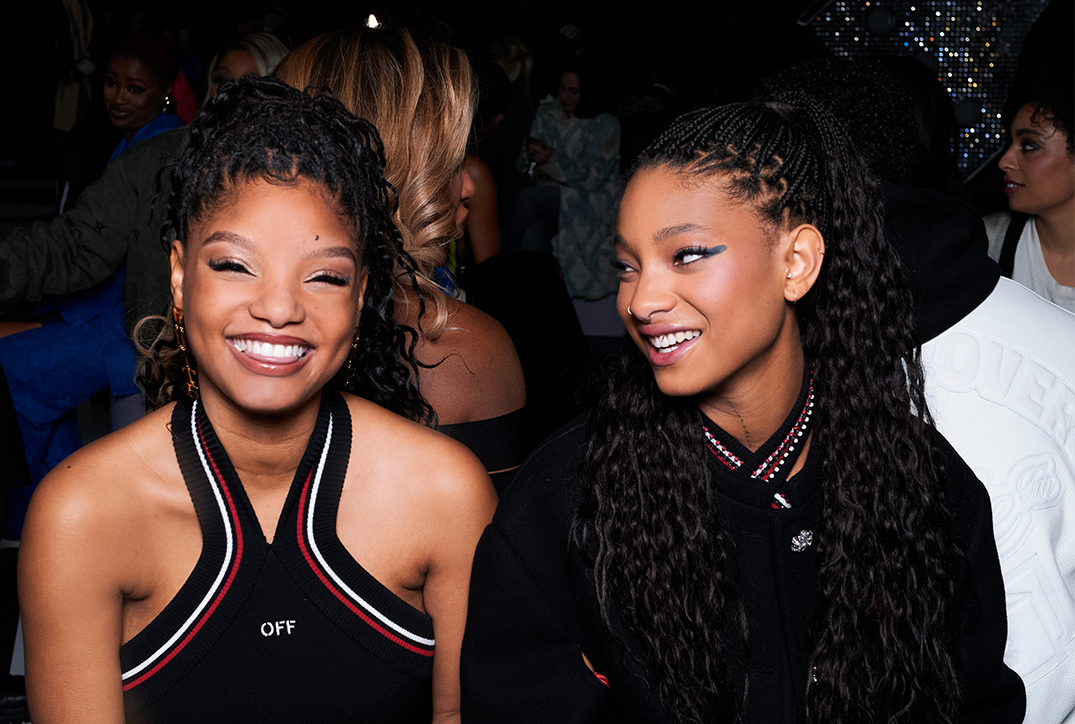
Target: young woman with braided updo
x,y
757,522
304,554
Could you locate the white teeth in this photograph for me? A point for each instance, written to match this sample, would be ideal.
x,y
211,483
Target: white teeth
x,y
664,341
265,349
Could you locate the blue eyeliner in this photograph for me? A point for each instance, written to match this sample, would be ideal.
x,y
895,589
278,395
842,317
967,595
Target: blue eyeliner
x,y
701,252
711,251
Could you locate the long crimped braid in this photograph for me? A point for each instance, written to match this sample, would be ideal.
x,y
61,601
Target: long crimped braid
x,y
261,128
882,646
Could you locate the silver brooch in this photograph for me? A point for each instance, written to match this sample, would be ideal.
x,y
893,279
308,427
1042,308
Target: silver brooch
x,y
801,541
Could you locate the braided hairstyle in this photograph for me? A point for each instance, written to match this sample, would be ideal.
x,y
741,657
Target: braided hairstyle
x,y
261,128
882,646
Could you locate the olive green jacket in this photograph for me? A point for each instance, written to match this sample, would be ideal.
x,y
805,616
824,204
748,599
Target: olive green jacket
x,y
120,216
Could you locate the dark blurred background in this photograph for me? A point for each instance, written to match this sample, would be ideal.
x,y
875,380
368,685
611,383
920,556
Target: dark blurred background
x,y
695,53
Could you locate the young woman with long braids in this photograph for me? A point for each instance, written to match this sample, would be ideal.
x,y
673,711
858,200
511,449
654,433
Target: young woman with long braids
x,y
757,522
280,543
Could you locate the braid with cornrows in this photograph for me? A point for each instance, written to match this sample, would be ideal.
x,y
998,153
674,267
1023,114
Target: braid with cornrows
x,y
881,645
261,128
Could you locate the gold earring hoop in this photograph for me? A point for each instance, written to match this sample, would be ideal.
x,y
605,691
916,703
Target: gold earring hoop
x,y
181,340
351,358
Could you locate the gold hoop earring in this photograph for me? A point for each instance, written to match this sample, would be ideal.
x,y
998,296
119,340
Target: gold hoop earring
x,y
351,359
181,340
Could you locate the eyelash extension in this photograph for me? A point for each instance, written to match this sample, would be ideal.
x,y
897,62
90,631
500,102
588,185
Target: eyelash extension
x,y
619,265
702,251
226,265
332,279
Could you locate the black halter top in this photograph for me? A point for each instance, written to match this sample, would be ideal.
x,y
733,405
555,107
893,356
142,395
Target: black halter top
x,y
288,631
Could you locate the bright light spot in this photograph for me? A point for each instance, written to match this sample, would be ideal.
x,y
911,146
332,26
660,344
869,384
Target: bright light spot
x,y
372,21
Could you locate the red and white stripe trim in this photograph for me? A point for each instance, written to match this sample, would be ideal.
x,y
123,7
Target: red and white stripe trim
x,y
333,581
229,516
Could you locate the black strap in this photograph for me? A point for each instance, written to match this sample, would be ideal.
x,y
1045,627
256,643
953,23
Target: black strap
x,y
1011,240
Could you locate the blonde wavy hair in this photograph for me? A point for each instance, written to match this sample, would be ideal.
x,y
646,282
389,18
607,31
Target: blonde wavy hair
x,y
265,49
421,97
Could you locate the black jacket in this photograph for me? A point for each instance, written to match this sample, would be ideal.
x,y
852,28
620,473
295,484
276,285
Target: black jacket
x,y
533,609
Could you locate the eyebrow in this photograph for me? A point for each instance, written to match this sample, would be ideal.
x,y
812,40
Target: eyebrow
x,y
666,233
334,252
328,252
1027,132
669,231
130,78
228,237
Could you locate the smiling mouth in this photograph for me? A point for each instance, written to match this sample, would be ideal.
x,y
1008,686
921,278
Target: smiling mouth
x,y
271,353
665,343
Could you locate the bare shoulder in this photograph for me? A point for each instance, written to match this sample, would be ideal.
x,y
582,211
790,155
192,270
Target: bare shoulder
x,y
413,459
85,551
94,508
481,340
478,374
108,477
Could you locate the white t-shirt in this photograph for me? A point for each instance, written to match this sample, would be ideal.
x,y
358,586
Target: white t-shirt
x,y
1028,267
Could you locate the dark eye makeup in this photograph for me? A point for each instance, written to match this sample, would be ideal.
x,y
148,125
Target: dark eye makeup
x,y
334,279
230,265
227,265
690,254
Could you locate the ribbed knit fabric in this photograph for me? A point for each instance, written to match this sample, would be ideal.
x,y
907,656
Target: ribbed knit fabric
x,y
293,630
